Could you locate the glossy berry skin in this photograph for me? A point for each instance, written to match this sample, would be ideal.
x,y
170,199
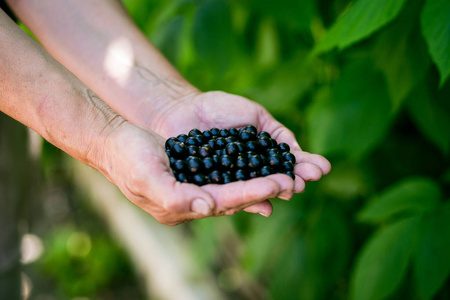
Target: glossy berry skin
x,y
264,143
209,164
207,134
250,154
241,175
273,151
224,133
264,133
274,143
193,164
255,162
182,177
199,179
266,171
195,132
205,151
253,174
190,141
170,142
252,146
290,174
232,149
182,137
275,161
200,139
252,129
212,143
227,178
192,150
178,149
215,177
246,136
288,156
227,162
231,139
179,165
287,166
241,162
220,143
215,131
172,160
284,147
216,158
233,132
241,147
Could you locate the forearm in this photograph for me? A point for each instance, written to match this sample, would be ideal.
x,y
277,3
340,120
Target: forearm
x,y
102,46
40,93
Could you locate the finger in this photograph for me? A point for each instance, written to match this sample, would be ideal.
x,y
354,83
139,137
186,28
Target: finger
x,y
308,171
241,194
299,186
286,185
264,208
318,160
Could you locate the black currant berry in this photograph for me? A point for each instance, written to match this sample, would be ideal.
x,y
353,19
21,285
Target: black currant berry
x,y
266,171
216,158
290,174
275,161
230,139
233,132
252,146
200,139
179,165
192,150
274,143
178,149
246,136
199,179
190,141
170,142
232,149
208,164
193,164
215,131
227,178
264,143
241,175
287,166
182,177
255,162
252,129
220,143
207,134
284,147
264,133
241,147
194,132
224,133
182,137
227,162
253,174
205,151
215,177
212,143
273,151
289,157
241,162
172,161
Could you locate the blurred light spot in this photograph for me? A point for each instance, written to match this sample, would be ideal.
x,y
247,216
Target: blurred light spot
x,y
31,248
79,244
56,204
35,144
230,279
27,286
119,60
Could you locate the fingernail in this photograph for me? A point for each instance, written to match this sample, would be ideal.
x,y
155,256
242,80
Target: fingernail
x,y
262,214
200,206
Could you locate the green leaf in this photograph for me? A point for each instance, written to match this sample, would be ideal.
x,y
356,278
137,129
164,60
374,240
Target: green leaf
x,y
431,116
362,18
213,35
383,261
435,21
392,53
412,195
432,259
355,115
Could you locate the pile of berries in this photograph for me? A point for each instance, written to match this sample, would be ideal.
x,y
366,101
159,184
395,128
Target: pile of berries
x,y
227,155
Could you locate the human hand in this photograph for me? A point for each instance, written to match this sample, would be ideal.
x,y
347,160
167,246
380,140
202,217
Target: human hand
x,y
134,159
222,110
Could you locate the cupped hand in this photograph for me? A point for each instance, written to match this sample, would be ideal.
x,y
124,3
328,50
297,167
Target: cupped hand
x,y
222,110
134,160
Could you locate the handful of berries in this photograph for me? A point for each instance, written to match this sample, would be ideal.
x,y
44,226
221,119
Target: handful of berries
x,y
227,155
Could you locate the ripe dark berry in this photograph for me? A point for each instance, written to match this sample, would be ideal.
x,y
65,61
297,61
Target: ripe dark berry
x,y
284,147
241,175
178,149
273,151
220,143
233,132
227,178
252,129
182,177
208,164
255,162
264,143
274,143
275,161
227,162
264,133
182,138
241,147
246,136
207,134
215,177
172,161
241,162
199,179
170,142
215,131
212,143
232,149
192,150
169,154
194,132
252,145
288,156
191,141
266,171
250,153
193,164
205,151
200,139
287,166
231,139
179,165
290,174
216,158
253,174
224,133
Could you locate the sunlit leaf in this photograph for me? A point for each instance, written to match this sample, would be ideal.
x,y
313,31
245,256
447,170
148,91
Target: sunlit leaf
x,y
383,261
361,19
435,22
432,259
413,195
354,117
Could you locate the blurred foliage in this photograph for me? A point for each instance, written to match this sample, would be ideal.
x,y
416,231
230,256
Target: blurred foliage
x,y
364,83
